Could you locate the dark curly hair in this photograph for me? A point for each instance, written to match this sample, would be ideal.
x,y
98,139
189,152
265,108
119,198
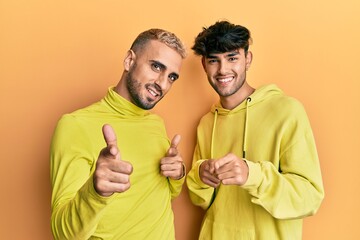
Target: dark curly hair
x,y
222,37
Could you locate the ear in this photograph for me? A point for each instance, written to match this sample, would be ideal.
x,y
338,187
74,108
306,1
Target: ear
x,y
203,62
129,59
248,59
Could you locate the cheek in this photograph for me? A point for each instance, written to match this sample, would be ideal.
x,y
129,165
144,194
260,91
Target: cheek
x,y
167,89
143,73
210,71
240,69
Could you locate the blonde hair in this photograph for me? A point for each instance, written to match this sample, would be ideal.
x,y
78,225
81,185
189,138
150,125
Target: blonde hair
x,y
166,37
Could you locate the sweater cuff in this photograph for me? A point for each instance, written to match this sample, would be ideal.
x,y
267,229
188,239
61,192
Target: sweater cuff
x,y
255,176
198,180
89,193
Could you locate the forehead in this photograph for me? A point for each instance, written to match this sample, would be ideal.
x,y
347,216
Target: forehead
x,y
158,51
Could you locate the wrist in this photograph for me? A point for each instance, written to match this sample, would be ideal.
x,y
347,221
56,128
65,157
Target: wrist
x,y
183,172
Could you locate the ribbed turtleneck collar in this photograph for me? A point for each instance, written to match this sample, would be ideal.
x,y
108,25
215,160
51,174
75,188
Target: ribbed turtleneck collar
x,y
123,106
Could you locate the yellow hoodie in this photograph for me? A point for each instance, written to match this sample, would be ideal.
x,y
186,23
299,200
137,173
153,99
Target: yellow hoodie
x,y
272,132
142,212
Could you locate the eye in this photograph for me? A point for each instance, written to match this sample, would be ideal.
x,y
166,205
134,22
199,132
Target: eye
x,y
173,77
156,67
212,61
232,59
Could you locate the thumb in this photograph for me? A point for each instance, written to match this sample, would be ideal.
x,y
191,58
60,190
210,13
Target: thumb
x,y
110,139
174,144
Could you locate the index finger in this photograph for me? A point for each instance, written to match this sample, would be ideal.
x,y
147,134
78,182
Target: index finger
x,y
175,141
122,167
110,138
109,135
224,160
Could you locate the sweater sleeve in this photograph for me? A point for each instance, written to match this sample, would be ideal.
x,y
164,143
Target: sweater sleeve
x,y
200,193
76,207
294,189
176,186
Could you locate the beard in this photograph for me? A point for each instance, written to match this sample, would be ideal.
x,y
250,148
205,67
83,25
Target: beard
x,y
134,88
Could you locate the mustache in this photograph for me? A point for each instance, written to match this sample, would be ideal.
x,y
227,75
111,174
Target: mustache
x,y
220,75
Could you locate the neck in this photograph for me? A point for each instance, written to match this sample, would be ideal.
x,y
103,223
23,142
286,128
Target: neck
x,y
237,98
121,88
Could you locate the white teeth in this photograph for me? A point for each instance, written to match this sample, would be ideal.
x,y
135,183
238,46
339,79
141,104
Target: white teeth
x,y
225,80
152,92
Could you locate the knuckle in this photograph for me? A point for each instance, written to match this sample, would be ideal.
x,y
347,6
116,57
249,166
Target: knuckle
x,y
126,178
122,188
129,168
239,179
99,187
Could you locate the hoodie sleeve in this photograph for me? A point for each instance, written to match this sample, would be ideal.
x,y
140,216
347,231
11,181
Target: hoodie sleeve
x,y
76,207
294,189
200,193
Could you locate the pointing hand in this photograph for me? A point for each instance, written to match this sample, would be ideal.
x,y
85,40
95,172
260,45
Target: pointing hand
x,y
172,164
207,173
112,174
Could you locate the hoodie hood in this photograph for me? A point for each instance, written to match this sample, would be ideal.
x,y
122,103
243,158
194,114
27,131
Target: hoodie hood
x,y
257,96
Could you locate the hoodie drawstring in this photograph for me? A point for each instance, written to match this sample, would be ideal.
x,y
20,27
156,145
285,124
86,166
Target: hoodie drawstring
x,y
248,100
212,135
245,126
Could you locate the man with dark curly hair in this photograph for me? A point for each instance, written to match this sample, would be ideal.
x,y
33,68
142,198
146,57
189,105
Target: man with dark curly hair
x,y
255,167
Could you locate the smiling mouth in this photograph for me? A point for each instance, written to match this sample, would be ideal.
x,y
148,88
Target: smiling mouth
x,y
225,80
153,92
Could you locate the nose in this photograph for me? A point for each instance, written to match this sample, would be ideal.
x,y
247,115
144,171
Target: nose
x,y
222,68
162,82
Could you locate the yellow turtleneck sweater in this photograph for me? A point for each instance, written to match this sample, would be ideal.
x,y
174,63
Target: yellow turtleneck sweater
x,y
142,212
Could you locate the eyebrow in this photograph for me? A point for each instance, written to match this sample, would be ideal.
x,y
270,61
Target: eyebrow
x,y
159,63
231,54
164,68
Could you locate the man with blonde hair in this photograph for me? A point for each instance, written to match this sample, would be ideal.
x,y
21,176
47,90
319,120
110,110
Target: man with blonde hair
x,y
114,171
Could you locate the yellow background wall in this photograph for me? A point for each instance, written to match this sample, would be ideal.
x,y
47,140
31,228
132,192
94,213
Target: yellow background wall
x,y
57,56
